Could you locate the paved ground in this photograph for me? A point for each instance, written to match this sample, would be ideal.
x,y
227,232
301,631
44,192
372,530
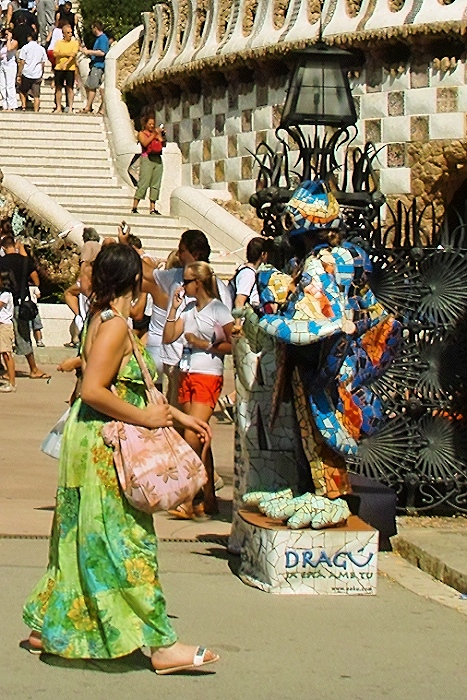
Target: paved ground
x,y
400,644
395,645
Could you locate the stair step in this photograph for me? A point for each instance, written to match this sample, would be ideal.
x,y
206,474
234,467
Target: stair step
x,y
136,222
21,117
83,148
93,173
77,193
49,135
96,202
59,127
101,180
57,156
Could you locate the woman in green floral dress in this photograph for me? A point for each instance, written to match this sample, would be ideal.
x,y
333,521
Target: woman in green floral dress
x,y
100,596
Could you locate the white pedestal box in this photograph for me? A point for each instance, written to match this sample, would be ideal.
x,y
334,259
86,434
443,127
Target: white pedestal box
x,y
334,561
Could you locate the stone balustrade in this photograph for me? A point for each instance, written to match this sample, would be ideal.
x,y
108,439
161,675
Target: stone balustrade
x,y
186,32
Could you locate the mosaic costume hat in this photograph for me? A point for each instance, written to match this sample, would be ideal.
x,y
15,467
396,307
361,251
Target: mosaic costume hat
x,y
312,208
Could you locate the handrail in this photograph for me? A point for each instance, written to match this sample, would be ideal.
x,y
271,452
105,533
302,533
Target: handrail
x,y
121,130
43,207
196,210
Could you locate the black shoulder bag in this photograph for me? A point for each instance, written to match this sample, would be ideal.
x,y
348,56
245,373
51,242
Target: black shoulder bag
x,y
27,308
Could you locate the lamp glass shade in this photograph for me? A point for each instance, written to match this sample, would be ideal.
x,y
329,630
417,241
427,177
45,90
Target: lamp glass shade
x,y
319,93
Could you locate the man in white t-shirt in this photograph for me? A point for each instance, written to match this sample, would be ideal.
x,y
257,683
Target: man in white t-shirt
x,y
30,70
193,246
243,289
242,286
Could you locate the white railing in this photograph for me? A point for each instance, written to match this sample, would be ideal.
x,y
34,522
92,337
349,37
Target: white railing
x,y
121,129
374,17
43,208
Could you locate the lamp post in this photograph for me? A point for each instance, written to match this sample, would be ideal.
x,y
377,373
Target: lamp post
x,y
318,95
319,89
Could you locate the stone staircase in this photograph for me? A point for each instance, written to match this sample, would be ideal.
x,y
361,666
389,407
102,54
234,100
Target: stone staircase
x,y
68,157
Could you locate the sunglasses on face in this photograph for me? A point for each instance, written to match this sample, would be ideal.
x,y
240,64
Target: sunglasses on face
x,y
187,282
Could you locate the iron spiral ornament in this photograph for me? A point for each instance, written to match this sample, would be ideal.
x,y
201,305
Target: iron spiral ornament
x,y
421,450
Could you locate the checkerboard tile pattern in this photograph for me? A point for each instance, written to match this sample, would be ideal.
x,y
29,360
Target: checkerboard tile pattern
x,y
218,134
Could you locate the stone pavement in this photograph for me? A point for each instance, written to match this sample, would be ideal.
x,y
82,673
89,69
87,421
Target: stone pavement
x,y
438,546
272,647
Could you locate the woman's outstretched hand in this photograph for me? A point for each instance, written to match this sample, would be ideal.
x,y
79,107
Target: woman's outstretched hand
x,y
159,416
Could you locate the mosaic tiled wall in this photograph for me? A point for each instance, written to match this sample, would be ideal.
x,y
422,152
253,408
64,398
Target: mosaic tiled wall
x,y
402,111
216,134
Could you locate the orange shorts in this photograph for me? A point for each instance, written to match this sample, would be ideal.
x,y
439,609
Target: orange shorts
x,y
199,388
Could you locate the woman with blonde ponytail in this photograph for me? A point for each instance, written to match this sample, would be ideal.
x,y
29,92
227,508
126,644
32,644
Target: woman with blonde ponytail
x,y
206,324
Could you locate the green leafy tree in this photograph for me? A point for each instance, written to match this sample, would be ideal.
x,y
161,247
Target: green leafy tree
x,y
119,16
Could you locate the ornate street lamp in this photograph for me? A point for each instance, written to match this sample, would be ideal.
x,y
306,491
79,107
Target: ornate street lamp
x,y
319,89
318,95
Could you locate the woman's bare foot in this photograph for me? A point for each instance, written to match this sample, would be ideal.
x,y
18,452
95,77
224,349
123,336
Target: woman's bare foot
x,y
180,657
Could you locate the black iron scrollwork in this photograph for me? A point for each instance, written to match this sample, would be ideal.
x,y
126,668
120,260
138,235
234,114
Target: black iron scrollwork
x,y
420,276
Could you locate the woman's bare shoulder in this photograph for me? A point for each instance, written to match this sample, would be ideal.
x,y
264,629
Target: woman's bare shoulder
x,y
110,330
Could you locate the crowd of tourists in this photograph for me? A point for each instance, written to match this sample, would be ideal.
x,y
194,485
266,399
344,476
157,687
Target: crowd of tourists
x,y
34,32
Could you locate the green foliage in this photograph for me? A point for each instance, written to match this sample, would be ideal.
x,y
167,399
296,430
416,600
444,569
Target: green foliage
x,y
120,16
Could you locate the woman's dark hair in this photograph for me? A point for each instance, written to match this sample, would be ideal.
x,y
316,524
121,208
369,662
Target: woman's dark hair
x,y
6,281
117,270
7,241
90,234
332,237
135,241
197,244
145,118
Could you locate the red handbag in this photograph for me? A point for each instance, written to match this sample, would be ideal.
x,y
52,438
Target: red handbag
x,y
154,147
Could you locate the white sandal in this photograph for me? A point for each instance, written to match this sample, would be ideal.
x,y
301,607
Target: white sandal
x,y
198,660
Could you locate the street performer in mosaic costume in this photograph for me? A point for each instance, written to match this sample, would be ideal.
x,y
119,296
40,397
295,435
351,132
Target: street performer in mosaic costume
x,y
304,363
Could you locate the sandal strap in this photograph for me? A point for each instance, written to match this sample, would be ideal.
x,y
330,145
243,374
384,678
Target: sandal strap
x,y
198,658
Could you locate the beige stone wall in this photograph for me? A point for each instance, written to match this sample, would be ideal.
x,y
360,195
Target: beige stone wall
x,y
127,64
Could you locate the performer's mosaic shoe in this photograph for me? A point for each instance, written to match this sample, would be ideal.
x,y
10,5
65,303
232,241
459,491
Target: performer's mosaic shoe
x,y
318,512
307,510
282,508
254,498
